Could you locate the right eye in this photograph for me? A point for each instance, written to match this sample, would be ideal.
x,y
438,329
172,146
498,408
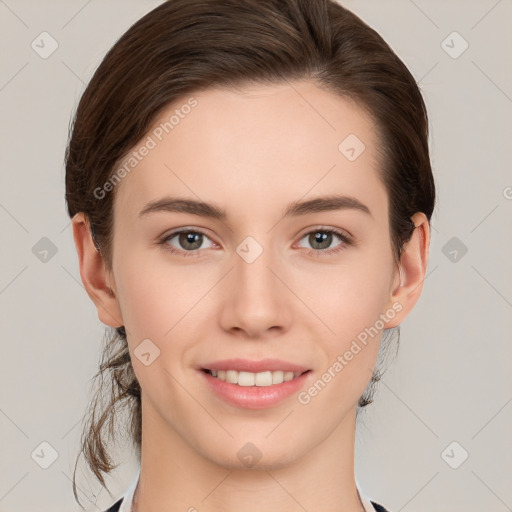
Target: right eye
x,y
185,242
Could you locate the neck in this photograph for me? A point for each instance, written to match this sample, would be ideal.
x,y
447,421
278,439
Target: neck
x,y
175,476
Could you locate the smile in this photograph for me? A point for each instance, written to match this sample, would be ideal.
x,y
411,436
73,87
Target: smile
x,y
248,379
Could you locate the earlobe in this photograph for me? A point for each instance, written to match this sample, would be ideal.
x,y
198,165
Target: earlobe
x,y
412,270
94,274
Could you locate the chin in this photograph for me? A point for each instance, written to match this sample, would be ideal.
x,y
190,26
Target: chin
x,y
254,456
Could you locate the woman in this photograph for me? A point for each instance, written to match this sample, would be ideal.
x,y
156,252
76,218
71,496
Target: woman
x,y
251,192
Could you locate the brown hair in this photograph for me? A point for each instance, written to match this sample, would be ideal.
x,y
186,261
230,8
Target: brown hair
x,y
184,46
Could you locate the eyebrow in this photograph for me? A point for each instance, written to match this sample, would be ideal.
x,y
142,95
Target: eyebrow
x,y
297,208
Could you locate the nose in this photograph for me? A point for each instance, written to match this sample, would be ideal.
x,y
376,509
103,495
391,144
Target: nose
x,y
255,302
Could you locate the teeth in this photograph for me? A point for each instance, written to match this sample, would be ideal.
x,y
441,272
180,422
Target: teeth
x,y
254,379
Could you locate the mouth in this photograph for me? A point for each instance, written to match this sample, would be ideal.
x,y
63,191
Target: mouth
x,y
250,379
254,384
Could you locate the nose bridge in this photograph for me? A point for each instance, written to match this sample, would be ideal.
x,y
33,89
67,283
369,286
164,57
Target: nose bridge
x,y
254,280
256,299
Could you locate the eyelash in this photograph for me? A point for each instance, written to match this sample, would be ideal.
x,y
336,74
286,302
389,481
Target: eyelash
x,y
345,239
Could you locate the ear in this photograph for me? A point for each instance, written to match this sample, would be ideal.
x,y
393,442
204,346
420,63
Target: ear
x,y
97,280
408,283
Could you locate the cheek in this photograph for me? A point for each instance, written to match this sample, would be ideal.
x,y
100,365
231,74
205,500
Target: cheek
x,y
350,312
157,298
161,303
349,301
347,297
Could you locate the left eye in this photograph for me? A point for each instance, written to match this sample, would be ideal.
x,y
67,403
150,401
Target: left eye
x,y
321,239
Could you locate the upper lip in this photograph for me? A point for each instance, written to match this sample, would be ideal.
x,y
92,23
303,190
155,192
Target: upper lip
x,y
246,365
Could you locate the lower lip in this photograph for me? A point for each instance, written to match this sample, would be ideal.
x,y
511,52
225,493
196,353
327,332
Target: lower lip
x,y
255,397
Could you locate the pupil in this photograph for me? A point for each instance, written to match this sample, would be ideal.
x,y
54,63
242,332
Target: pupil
x,y
190,239
322,237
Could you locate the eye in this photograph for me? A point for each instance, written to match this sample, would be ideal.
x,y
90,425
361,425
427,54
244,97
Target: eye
x,y
321,239
185,242
188,242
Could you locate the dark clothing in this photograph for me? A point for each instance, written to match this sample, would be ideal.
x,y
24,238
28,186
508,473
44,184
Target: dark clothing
x,y
115,506
378,508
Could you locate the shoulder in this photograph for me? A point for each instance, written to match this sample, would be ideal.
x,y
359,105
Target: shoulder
x,y
115,507
378,508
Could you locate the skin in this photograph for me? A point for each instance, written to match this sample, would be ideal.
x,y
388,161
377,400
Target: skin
x,y
252,152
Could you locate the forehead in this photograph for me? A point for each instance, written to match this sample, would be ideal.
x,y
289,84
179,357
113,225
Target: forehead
x,y
257,145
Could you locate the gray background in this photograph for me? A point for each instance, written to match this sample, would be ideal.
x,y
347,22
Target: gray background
x,y
451,381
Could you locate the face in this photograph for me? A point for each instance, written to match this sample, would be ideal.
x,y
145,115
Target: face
x,y
270,270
